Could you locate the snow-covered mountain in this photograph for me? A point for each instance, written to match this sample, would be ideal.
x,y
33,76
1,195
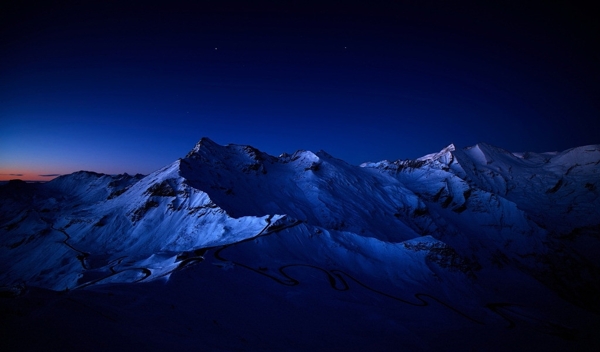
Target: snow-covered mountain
x,y
235,249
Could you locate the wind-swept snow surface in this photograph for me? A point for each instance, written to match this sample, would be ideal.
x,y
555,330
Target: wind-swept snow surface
x,y
230,248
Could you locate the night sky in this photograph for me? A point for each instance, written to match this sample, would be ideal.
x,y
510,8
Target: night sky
x,y
116,87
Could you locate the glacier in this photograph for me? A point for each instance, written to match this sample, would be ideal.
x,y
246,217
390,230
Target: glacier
x,y
229,248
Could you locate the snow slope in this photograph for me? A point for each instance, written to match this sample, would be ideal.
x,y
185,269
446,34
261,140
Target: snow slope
x,y
472,244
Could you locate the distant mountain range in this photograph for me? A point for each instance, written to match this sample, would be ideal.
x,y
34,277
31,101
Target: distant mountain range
x,y
230,248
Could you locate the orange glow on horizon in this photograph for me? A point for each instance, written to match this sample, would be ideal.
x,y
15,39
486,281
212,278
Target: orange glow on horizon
x,y
26,175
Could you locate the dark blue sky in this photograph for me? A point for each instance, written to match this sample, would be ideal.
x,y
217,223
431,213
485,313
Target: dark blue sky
x,y
116,87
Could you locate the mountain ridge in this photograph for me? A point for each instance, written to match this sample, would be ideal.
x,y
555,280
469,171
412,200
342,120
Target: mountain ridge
x,y
455,226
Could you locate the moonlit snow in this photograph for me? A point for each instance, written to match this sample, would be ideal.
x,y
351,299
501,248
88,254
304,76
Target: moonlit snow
x,y
232,249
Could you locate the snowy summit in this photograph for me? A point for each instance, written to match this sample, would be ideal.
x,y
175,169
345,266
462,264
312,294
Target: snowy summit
x,y
230,248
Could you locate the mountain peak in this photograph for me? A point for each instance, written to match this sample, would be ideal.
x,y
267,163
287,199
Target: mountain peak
x,y
203,143
206,142
450,148
443,155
